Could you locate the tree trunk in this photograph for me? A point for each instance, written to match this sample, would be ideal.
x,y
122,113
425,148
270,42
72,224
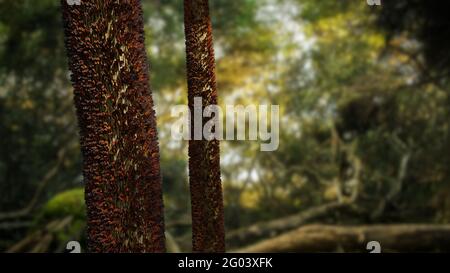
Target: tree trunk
x,y
204,157
105,46
392,238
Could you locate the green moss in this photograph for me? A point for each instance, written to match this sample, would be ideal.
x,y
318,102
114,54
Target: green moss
x,y
64,204
68,203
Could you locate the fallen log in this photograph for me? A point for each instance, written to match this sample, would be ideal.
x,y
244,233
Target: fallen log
x,y
325,238
272,228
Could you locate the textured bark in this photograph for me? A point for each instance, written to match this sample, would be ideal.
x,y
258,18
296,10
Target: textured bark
x,y
392,238
204,156
105,46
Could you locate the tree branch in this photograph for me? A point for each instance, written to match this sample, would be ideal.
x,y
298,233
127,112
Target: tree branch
x,y
34,200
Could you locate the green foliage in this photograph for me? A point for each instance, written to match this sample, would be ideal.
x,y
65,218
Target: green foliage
x,y
68,203
32,43
425,21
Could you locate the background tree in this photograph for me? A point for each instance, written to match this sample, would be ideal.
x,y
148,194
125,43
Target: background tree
x,y
105,46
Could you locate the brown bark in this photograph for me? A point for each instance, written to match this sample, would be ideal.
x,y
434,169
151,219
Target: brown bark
x,y
105,46
392,238
204,156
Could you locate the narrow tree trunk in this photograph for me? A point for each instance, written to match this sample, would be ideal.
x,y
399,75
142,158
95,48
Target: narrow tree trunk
x,y
204,157
105,46
392,238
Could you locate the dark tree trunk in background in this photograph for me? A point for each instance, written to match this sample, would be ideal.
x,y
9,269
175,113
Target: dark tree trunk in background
x,y
105,46
204,157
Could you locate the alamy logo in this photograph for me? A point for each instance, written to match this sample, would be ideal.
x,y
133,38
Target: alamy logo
x,y
73,247
374,2
73,2
237,117
374,247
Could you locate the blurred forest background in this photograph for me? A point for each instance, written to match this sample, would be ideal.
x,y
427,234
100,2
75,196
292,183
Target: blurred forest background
x,y
364,94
